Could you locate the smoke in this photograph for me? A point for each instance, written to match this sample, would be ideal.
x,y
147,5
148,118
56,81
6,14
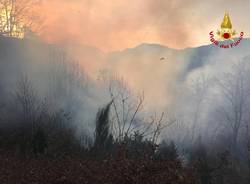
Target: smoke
x,y
84,28
120,24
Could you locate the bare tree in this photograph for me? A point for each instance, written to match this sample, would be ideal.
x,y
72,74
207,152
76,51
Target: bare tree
x,y
65,79
199,88
16,16
235,88
28,101
156,125
125,107
28,111
127,113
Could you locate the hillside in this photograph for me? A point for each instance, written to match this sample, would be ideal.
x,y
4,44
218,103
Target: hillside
x,y
58,125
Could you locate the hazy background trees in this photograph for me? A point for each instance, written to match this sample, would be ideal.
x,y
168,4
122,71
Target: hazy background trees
x,y
235,88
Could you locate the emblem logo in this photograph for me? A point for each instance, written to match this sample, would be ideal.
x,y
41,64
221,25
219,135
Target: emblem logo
x,y
226,34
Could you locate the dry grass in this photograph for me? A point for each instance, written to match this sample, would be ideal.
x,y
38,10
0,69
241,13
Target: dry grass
x,y
72,170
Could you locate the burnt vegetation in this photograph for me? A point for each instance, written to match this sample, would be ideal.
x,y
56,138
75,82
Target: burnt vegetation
x,y
44,137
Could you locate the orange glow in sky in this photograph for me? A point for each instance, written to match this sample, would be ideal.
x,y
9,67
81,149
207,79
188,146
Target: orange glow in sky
x,y
118,24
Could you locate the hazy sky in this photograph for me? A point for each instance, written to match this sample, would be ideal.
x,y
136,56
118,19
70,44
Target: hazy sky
x,y
118,24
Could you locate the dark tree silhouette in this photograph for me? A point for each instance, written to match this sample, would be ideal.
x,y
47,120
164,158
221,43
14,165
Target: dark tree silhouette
x,y
103,138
